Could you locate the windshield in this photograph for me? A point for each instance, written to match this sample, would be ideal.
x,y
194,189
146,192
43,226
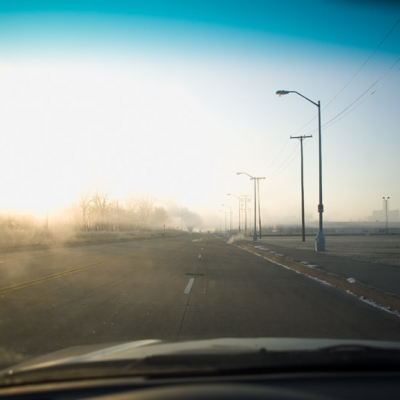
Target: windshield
x,y
179,171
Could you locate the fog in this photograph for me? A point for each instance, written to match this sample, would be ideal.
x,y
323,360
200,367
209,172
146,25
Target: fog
x,y
168,109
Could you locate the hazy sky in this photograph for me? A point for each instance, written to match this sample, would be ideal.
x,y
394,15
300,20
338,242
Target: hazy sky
x,y
172,98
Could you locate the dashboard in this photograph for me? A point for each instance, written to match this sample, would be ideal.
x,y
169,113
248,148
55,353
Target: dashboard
x,y
288,386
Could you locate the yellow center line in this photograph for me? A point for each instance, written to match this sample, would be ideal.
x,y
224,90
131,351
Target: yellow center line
x,y
71,271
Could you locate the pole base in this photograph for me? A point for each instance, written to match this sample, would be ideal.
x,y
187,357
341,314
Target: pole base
x,y
320,241
255,237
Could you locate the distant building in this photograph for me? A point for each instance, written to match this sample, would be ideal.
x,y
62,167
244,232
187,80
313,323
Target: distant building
x,y
380,216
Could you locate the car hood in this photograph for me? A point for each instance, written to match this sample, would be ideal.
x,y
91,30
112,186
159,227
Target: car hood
x,y
144,349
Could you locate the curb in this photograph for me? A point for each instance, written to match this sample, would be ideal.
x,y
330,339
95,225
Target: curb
x,y
364,292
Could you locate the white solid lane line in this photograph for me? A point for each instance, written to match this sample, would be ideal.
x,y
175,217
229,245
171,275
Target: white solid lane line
x,y
189,286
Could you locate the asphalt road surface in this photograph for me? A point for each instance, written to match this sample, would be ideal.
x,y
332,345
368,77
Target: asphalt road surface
x,y
178,288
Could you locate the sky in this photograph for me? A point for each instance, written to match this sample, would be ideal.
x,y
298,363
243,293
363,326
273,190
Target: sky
x,y
173,98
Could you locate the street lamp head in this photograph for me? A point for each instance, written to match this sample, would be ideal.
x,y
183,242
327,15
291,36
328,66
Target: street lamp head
x,y
282,92
245,173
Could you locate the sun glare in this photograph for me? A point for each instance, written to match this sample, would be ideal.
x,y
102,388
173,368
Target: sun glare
x,y
163,117
68,128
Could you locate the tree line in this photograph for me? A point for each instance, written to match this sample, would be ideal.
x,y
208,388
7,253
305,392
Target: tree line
x,y
96,210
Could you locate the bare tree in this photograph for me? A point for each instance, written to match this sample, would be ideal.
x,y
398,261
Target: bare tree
x,y
145,210
159,216
131,212
97,210
101,209
139,210
84,207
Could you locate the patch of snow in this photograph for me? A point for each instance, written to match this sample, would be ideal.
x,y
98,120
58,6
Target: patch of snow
x,y
234,238
375,304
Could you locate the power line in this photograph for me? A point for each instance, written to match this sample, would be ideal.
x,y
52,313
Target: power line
x,y
352,78
276,157
343,113
365,62
286,163
359,97
328,125
337,118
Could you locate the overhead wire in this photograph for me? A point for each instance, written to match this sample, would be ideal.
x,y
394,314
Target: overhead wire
x,y
282,167
343,113
329,123
365,62
353,76
276,157
359,97
291,160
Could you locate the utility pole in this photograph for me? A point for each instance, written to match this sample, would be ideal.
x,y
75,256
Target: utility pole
x,y
259,207
303,229
257,192
225,218
230,217
230,194
245,212
386,211
182,215
256,180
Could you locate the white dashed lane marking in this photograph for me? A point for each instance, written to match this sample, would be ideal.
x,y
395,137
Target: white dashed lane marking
x,y
189,286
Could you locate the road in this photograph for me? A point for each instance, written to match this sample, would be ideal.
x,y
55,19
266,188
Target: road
x,y
178,288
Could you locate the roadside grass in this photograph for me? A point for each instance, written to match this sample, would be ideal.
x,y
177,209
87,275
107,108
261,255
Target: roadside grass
x,y
41,236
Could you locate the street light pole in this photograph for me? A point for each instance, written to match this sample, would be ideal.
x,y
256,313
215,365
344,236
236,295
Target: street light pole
x,y
225,218
230,217
230,194
259,203
320,239
183,214
255,212
255,179
245,212
386,211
